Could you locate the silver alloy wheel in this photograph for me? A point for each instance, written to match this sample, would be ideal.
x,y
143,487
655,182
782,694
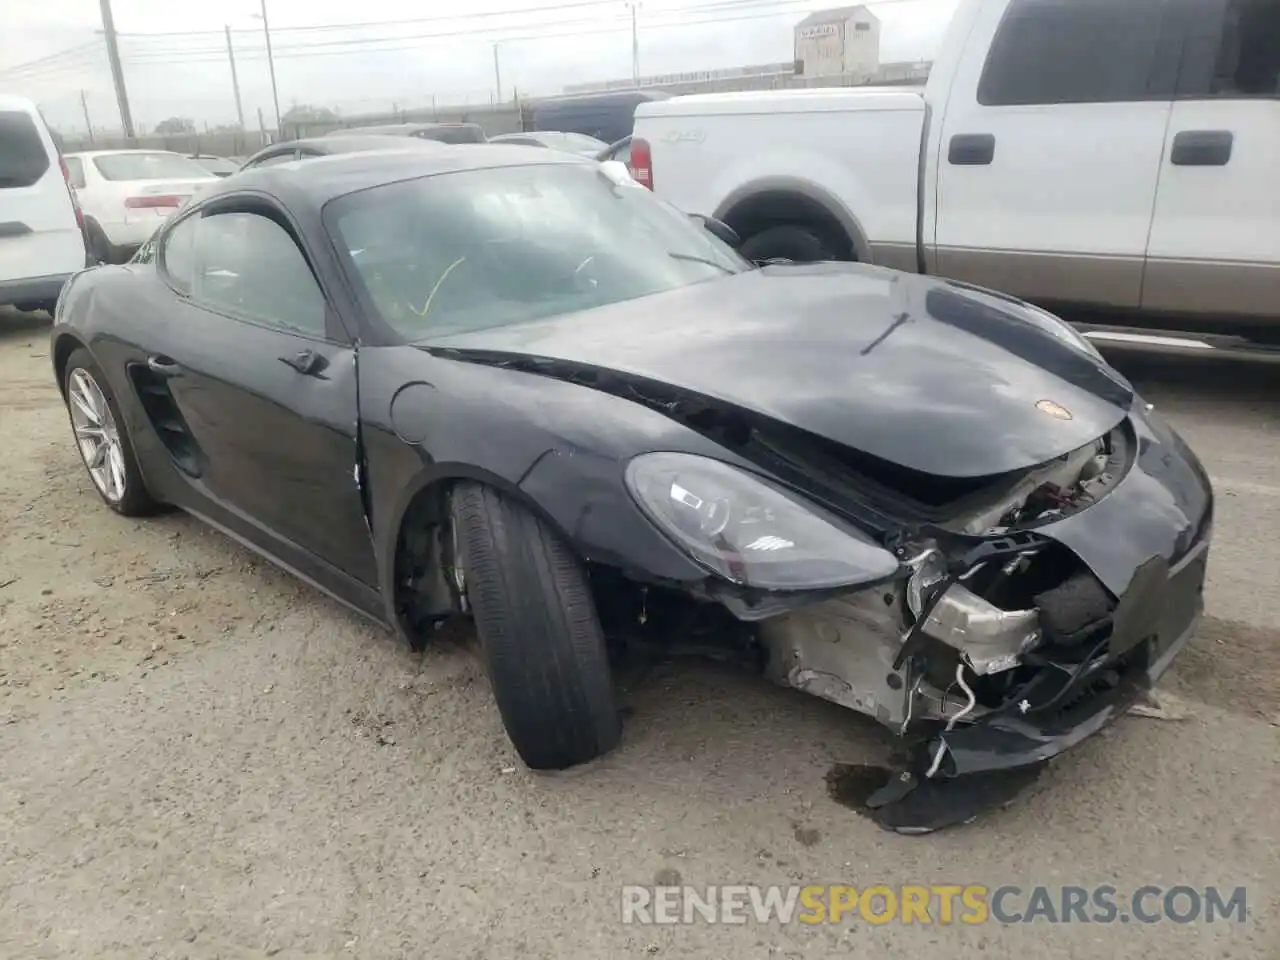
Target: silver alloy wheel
x,y
97,434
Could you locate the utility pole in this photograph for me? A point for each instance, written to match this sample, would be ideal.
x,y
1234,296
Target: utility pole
x,y
84,105
117,72
271,62
497,72
634,5
235,79
262,127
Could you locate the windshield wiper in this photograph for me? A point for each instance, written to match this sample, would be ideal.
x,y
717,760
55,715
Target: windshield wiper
x,y
695,259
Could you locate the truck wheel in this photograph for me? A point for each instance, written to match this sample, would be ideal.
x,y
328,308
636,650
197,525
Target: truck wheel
x,y
539,631
99,246
789,241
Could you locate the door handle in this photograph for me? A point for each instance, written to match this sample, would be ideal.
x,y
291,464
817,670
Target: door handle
x,y
163,367
307,362
1202,148
971,149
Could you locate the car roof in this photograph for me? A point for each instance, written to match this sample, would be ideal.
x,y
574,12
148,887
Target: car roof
x,y
402,128
112,153
9,101
353,144
317,180
367,141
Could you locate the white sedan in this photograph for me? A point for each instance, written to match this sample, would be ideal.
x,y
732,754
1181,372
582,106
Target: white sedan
x,y
127,194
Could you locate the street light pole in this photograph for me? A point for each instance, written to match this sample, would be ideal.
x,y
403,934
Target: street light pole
x,y
271,64
497,71
633,5
235,79
117,72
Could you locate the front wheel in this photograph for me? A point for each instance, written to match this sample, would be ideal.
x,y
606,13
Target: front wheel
x,y
538,629
102,439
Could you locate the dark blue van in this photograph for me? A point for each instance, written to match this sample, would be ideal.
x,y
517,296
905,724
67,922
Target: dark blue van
x,y
605,116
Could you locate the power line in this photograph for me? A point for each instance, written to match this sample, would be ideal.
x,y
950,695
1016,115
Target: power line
x,y
479,14
368,44
50,57
67,61
54,73
358,44
550,8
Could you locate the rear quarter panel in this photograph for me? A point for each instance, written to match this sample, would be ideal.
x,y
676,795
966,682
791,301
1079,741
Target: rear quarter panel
x,y
867,158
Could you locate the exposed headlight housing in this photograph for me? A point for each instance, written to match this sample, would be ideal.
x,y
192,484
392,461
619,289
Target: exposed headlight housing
x,y
749,531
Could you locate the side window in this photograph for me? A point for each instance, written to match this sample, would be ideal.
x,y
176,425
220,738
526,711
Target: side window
x,y
1080,51
75,169
23,157
1233,50
249,265
179,253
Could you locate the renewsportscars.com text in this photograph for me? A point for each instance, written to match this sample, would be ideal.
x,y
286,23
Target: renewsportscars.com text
x,y
936,904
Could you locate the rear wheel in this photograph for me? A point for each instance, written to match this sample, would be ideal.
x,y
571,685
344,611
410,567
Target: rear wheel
x,y
790,241
539,631
102,439
100,250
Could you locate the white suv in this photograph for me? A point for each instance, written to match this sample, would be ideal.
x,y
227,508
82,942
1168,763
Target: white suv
x,y
41,237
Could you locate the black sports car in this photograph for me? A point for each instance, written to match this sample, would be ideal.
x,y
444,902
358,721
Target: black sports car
x,y
511,384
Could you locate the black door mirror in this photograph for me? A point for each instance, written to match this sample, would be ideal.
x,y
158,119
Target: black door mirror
x,y
719,229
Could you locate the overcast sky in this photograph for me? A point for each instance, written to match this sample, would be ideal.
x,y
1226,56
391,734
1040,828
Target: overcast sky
x,y
374,54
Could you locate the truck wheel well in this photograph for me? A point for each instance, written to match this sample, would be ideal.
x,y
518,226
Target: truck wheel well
x,y
770,208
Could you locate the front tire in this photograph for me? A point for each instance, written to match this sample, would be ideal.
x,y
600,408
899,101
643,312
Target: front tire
x,y
102,439
539,631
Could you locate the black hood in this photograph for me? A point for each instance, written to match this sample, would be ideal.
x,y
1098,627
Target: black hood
x,y
924,373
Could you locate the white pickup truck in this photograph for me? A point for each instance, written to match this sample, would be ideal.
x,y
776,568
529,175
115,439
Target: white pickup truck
x,y
1112,156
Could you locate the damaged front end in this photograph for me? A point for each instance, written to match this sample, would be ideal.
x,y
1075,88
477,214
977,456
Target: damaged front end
x,y
1004,629
1001,645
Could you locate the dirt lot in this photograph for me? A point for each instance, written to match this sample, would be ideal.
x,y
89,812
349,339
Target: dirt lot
x,y
200,757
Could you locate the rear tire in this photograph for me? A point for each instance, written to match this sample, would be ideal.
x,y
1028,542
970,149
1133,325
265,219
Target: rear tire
x,y
121,486
790,241
538,629
100,250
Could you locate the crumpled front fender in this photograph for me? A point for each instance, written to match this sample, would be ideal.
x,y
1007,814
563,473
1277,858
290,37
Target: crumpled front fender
x,y
1160,509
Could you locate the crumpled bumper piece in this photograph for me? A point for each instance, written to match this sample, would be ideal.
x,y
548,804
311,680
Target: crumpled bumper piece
x,y
1155,619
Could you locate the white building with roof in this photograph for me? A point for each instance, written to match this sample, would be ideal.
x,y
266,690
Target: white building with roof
x,y
845,40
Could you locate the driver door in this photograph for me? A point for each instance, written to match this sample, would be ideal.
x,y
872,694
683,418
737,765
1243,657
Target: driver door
x,y
264,381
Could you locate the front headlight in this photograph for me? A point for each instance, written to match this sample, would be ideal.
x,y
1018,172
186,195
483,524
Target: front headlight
x,y
748,531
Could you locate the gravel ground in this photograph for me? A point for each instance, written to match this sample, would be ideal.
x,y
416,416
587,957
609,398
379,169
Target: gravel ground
x,y
204,758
